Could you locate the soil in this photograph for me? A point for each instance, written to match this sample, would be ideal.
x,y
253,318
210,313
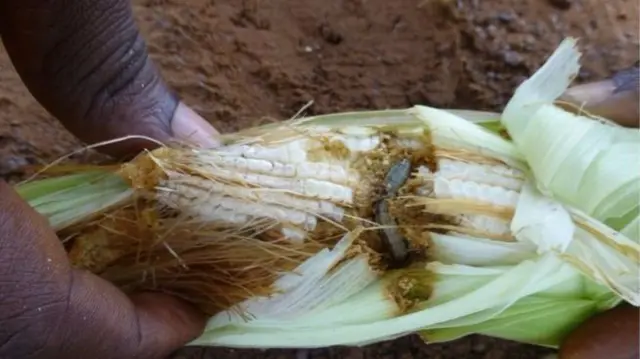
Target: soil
x,y
241,63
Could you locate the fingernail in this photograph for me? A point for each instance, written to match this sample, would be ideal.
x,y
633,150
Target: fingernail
x,y
590,93
188,126
605,99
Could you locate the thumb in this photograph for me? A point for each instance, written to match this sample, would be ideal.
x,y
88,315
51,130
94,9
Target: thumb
x,y
165,323
109,324
615,98
184,126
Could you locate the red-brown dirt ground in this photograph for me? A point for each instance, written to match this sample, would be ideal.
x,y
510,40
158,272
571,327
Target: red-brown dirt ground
x,y
244,62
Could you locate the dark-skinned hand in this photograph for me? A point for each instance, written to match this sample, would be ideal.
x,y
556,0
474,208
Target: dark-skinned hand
x,y
86,63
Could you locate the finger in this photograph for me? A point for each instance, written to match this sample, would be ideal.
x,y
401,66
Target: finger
x,y
188,126
185,127
144,326
33,276
166,323
74,312
616,98
28,245
86,62
613,334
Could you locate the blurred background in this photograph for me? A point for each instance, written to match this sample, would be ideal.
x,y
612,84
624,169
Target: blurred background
x,y
241,63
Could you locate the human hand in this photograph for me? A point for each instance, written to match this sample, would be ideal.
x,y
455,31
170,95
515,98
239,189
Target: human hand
x,y
87,64
49,310
615,98
614,334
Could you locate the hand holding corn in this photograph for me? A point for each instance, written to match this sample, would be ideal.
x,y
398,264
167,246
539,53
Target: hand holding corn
x,y
86,63
50,310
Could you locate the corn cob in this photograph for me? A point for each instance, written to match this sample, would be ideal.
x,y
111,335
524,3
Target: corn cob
x,y
281,196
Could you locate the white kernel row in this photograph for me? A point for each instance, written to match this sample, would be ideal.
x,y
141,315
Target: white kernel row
x,y
296,151
178,182
493,175
317,189
490,184
337,173
220,208
292,152
444,188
